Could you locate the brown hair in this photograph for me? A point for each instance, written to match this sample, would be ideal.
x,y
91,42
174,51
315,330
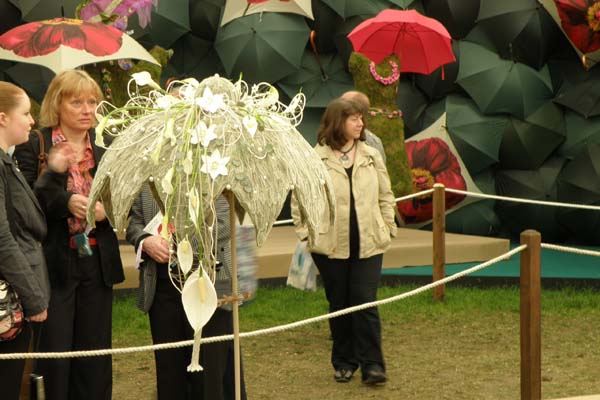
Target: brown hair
x,y
66,84
331,130
9,96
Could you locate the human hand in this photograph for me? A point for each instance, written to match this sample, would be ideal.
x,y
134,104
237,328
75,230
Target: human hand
x,y
41,317
60,157
99,211
157,248
78,206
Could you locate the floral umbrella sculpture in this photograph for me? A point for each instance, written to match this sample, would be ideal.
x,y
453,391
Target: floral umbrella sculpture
x,y
213,136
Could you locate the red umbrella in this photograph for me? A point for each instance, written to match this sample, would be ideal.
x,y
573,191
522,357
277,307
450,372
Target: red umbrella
x,y
421,43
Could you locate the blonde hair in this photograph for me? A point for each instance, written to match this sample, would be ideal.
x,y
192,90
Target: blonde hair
x,y
9,96
66,84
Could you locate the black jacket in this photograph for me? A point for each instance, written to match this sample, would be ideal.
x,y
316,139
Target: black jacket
x,y
22,229
51,190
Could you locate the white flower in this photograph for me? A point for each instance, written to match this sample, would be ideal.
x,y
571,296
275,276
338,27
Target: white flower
x,y
214,165
210,102
166,101
250,124
188,163
170,131
203,134
188,90
194,206
185,255
166,181
144,78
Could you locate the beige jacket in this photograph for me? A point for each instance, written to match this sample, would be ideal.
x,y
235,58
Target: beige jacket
x,y
373,199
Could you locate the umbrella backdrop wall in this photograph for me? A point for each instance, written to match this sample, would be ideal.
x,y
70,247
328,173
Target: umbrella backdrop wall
x,y
522,102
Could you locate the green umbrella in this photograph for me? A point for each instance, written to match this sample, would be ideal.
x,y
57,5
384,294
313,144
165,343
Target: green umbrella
x,y
205,16
538,184
37,10
458,16
501,86
184,62
580,131
412,102
579,182
583,95
311,119
340,38
169,21
210,65
350,8
320,85
433,112
442,81
526,144
325,24
262,47
11,16
520,29
477,137
34,79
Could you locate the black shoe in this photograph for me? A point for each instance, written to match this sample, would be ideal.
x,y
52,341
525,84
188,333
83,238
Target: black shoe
x,y
374,375
343,375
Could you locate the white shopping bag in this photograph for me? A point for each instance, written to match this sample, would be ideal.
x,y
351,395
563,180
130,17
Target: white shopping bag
x,y
303,271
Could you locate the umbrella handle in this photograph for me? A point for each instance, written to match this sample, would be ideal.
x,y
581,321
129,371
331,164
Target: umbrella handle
x,y
313,34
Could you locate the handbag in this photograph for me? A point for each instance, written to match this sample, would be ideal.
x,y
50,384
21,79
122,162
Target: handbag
x,y
11,312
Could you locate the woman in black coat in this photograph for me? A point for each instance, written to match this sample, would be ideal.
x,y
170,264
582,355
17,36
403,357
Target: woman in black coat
x,y
22,229
83,264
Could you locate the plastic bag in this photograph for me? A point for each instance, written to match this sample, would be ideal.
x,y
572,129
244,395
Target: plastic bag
x,y
303,271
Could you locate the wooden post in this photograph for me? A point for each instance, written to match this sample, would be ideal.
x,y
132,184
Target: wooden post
x,y
234,294
531,326
439,239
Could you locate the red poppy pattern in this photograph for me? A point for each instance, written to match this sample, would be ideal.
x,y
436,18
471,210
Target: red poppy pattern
x,y
44,37
431,161
580,19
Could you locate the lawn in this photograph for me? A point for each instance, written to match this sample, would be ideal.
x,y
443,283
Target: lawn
x,y
465,348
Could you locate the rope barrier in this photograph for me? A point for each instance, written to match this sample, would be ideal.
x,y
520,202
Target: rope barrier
x,y
266,331
570,249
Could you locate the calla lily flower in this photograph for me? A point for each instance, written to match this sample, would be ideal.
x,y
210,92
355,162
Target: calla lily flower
x,y
144,79
167,185
185,255
250,124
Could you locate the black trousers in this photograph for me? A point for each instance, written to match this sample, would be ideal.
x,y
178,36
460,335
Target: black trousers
x,y
356,336
79,318
168,323
11,371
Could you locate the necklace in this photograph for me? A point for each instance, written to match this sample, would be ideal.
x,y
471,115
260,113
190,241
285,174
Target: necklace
x,y
344,156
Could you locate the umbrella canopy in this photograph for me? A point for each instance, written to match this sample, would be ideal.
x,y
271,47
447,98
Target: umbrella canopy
x,y
579,183
169,21
262,47
64,43
583,95
34,79
514,25
37,10
11,16
309,127
351,8
477,137
442,81
421,43
580,132
240,8
413,103
186,63
321,79
205,17
340,38
501,86
579,21
539,184
526,144
458,16
325,25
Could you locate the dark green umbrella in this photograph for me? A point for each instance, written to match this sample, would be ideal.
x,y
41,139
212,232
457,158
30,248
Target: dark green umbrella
x,y
311,119
205,17
183,62
350,8
520,29
325,24
169,21
583,95
262,47
34,79
37,10
413,103
210,65
321,83
579,183
11,16
458,16
433,112
580,131
501,86
477,137
538,184
526,144
340,38
442,81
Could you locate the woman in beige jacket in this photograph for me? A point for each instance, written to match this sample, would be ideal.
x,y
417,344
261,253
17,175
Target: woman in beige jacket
x,y
349,254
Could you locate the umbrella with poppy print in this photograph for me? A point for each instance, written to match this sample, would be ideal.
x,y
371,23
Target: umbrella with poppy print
x,y
580,132
580,22
37,10
240,8
537,184
501,86
321,80
582,95
579,182
458,16
433,159
421,43
64,43
262,47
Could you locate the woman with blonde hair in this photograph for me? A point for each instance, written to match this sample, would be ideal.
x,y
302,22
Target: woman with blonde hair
x,y
83,263
22,229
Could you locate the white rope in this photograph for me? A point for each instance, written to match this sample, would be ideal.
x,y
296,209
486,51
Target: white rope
x,y
570,249
266,331
521,200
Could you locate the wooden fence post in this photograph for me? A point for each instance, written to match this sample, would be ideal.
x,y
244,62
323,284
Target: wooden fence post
x,y
531,325
439,239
